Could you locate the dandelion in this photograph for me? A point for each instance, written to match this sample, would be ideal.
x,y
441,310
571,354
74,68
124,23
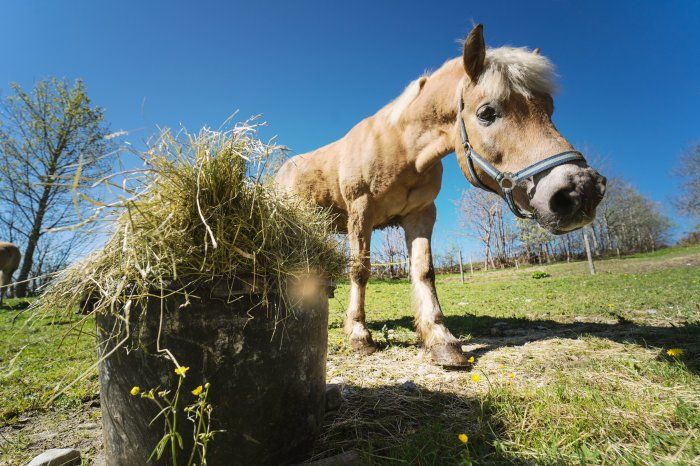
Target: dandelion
x,y
180,370
476,378
511,375
471,360
197,390
463,438
675,352
135,391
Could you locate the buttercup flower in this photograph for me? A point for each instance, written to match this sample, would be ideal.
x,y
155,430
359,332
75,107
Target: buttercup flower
x,y
470,360
197,390
511,375
675,352
135,391
463,438
476,377
181,370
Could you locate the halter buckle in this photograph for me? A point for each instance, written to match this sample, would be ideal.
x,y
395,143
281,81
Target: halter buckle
x,y
506,181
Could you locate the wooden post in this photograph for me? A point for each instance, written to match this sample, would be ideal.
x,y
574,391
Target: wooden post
x,y
461,270
471,266
591,266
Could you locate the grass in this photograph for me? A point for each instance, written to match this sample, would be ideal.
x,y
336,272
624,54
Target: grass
x,y
591,383
37,359
573,369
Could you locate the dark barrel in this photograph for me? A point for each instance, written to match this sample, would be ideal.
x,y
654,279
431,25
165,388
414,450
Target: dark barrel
x,y
267,378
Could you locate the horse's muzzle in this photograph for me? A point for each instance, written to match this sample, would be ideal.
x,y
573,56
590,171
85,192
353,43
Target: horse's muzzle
x,y
566,199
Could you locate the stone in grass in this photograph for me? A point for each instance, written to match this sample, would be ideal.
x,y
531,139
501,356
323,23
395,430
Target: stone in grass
x,y
57,457
333,397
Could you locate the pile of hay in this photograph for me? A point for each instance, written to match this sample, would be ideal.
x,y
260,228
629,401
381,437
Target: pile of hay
x,y
200,212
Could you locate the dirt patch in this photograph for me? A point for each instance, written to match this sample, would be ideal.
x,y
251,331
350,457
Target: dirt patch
x,y
31,434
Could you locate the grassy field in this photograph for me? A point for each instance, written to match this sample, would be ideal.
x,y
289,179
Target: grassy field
x,y
569,369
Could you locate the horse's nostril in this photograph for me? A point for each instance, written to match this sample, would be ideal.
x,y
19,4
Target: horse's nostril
x,y
563,203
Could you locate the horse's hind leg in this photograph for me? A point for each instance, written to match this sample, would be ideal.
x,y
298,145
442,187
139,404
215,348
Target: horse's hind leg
x,y
445,349
359,236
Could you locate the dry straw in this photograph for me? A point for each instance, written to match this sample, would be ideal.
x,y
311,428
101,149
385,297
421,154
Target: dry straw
x,y
200,211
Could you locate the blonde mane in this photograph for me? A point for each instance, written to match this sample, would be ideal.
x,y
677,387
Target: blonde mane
x,y
507,69
518,70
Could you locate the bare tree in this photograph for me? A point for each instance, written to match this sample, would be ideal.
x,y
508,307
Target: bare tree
x,y
688,201
477,218
392,253
52,147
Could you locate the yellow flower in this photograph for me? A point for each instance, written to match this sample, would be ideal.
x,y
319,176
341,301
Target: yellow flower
x,y
475,377
511,375
135,391
675,352
463,438
180,370
340,342
470,360
197,390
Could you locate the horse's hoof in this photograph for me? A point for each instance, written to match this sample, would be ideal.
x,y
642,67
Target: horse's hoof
x,y
363,346
449,356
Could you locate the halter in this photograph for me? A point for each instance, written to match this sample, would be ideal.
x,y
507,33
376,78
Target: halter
x,y
507,181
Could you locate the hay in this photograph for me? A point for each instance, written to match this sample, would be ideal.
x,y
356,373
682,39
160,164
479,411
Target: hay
x,y
200,212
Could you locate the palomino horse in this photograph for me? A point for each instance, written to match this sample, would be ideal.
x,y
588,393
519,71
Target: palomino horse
x,y
9,261
493,108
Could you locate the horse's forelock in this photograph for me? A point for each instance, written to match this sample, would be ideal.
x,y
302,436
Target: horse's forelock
x,y
518,70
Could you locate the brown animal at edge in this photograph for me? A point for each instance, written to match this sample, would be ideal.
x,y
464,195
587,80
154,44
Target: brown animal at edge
x,y
387,170
9,261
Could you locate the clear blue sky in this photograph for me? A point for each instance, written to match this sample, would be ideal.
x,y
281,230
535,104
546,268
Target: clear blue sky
x,y
629,71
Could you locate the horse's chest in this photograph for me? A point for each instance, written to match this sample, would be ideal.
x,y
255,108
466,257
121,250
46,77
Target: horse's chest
x,y
408,193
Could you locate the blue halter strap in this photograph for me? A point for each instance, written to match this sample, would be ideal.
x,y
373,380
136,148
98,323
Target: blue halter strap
x,y
505,180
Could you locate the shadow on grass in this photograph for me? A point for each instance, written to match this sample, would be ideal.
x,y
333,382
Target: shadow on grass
x,y
495,332
410,424
14,305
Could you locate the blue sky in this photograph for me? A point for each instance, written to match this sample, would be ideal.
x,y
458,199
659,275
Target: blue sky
x,y
629,71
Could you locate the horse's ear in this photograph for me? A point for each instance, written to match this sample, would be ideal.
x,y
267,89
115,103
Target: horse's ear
x,y
474,53
536,51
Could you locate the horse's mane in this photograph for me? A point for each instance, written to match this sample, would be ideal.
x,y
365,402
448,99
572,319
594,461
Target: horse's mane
x,y
508,69
519,70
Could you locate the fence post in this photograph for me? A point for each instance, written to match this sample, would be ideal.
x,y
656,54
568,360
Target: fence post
x,y
591,266
461,270
471,266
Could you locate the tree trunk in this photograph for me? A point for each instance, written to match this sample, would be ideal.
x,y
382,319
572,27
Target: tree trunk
x,y
32,241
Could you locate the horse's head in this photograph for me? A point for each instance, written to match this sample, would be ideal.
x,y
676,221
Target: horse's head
x,y
506,107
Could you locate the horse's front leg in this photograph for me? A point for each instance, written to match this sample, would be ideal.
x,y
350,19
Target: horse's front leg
x,y
445,349
359,236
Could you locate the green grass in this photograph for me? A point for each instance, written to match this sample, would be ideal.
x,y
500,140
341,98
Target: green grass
x,y
570,292
38,358
593,386
591,382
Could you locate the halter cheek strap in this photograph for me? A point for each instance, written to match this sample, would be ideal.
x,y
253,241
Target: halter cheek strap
x,y
505,180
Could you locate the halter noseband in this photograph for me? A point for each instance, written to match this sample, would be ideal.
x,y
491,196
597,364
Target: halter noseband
x,y
507,181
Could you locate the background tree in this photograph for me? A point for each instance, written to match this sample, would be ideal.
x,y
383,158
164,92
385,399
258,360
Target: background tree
x,y
53,146
392,253
688,201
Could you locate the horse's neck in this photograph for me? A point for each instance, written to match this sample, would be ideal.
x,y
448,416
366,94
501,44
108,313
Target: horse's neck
x,y
429,122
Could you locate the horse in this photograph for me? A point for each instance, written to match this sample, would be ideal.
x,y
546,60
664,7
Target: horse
x,y
492,107
9,261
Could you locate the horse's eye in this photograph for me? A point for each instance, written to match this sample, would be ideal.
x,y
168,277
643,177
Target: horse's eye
x,y
487,114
